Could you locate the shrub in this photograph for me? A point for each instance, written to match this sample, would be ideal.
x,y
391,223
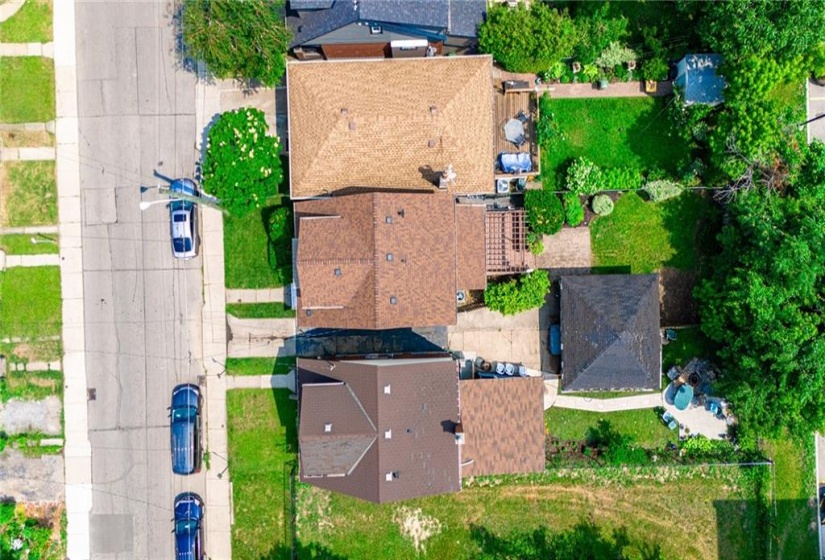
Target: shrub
x,y
241,165
584,177
544,211
602,205
517,295
573,209
614,55
662,190
535,243
621,179
546,129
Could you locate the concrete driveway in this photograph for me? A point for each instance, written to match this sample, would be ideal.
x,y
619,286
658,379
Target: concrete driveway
x,y
516,338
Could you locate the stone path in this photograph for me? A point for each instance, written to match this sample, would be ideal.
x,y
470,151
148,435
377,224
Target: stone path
x,y
27,49
255,296
567,251
261,381
27,154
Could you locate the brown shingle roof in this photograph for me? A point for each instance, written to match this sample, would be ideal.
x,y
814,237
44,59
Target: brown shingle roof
x,y
421,404
471,268
390,124
503,421
383,260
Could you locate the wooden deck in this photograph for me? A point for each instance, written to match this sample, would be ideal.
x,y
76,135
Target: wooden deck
x,y
508,106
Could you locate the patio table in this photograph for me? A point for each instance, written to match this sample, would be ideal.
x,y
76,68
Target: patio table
x,y
514,130
683,396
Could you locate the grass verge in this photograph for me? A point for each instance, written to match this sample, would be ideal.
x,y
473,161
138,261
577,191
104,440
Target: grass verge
x,y
619,132
270,310
644,426
19,244
31,24
260,366
28,194
31,385
26,138
262,444
252,260
646,236
796,529
27,83
44,350
30,303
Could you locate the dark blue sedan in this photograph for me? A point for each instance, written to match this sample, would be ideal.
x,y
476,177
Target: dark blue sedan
x,y
186,429
188,527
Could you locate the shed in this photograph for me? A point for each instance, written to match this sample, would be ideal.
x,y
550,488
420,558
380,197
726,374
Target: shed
x,y
698,81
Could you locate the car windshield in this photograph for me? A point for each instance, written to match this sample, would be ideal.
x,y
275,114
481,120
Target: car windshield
x,y
186,526
182,245
184,413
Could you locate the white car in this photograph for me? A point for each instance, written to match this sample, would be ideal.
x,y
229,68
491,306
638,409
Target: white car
x,y
184,221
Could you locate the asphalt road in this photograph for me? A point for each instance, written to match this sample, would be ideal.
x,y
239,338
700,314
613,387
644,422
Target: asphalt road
x,y
143,308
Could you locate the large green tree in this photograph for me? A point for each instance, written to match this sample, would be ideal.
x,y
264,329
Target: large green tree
x,y
244,40
527,39
763,303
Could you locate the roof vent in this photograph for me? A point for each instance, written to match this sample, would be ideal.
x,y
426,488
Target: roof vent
x,y
460,296
393,300
401,213
432,143
388,219
387,389
352,125
309,312
433,110
389,257
388,434
328,427
344,111
388,477
338,272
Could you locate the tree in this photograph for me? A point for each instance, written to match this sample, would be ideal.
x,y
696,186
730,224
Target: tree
x,y
596,30
241,165
517,295
246,41
545,214
762,303
527,39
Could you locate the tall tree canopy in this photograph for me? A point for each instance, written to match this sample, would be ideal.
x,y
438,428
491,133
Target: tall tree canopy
x,y
244,40
763,303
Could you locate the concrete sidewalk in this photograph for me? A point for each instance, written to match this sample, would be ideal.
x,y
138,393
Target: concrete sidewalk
x,y
256,296
77,452
27,49
261,338
27,154
261,381
11,261
9,8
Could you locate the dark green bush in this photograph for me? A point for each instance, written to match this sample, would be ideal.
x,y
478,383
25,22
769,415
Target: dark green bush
x,y
621,178
280,243
573,209
545,213
517,295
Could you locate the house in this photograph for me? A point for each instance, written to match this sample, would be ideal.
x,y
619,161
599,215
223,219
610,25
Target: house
x,y
400,124
379,430
383,28
382,260
698,81
393,429
610,336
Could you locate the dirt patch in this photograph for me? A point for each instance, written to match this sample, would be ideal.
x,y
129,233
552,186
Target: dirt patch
x,y
676,304
48,514
416,526
26,139
313,505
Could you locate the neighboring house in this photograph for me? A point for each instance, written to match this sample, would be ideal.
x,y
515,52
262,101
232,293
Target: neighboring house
x,y
383,28
391,124
382,260
610,332
393,429
379,430
698,81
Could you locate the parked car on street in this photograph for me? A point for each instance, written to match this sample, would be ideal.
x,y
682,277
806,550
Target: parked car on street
x,y
186,429
188,527
183,216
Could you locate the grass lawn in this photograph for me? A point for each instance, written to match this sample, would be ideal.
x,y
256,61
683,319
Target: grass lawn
x,y
26,138
688,514
251,261
260,366
269,310
690,343
30,302
645,236
262,443
32,351
31,24
19,244
28,194
643,426
796,535
620,132
31,385
27,83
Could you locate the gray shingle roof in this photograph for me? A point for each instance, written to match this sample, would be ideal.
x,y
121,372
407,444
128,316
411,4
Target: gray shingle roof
x,y
610,332
456,17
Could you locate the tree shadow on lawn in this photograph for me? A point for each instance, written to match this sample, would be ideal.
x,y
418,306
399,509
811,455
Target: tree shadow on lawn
x,y
300,551
651,138
278,226
692,221
287,409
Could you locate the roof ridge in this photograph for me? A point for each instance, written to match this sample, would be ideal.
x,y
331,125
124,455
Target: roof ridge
x,y
361,406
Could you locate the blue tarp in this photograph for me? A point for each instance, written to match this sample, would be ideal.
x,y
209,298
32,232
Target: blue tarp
x,y
516,163
697,78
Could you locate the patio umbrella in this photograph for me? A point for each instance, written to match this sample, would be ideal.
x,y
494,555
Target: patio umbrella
x,y
683,396
513,130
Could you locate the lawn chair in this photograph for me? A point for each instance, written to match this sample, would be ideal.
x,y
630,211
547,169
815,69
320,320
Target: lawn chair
x,y
522,117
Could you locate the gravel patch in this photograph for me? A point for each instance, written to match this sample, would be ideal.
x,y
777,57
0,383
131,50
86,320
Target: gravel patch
x,y
21,417
31,479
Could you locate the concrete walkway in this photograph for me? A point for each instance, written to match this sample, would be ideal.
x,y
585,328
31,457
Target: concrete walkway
x,y
261,338
610,405
47,126
29,230
261,381
27,49
9,8
255,296
11,261
27,154
77,452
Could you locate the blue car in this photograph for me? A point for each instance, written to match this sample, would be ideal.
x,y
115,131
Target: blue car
x,y
188,527
184,220
186,429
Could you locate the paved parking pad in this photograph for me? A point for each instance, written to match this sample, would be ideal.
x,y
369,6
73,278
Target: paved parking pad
x,y
493,336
